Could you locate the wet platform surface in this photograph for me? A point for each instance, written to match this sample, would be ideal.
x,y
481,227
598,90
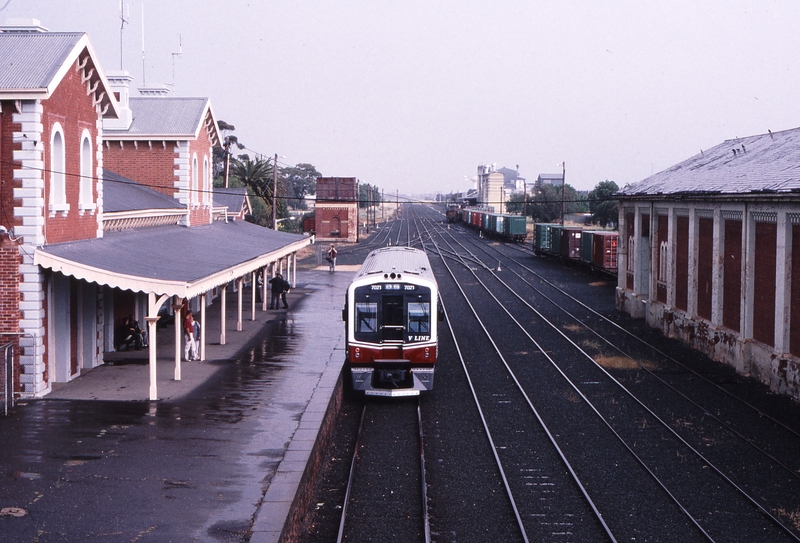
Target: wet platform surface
x,y
217,458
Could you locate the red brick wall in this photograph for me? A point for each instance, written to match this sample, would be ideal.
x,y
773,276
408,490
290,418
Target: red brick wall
x,y
337,189
9,298
331,218
154,167
201,146
7,127
72,107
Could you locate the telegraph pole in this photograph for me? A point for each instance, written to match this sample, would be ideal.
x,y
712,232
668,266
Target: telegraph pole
x,y
275,193
563,175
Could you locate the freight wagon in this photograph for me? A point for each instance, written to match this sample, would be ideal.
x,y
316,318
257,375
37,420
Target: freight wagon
x,y
499,225
596,249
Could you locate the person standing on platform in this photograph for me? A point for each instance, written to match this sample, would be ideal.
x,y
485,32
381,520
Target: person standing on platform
x,y
331,258
190,348
279,289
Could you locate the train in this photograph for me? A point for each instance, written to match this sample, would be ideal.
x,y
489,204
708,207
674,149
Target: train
x,y
500,225
391,316
595,249
453,213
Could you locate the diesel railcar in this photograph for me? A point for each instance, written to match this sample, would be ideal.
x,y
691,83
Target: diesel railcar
x,y
391,316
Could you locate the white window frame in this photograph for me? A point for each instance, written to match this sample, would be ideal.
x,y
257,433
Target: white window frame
x,y
206,181
85,200
58,174
193,196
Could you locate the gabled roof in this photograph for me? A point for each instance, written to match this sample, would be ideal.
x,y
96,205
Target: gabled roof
x,y
32,64
173,260
167,118
232,198
766,163
123,194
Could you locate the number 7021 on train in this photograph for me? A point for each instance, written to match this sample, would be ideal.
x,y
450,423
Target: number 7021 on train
x,y
392,313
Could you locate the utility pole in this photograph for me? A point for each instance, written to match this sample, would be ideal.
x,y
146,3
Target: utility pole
x,y
563,175
275,193
227,148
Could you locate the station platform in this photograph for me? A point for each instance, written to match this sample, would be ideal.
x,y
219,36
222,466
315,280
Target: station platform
x,y
293,415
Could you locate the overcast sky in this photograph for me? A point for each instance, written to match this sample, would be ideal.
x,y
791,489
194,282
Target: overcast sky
x,y
414,95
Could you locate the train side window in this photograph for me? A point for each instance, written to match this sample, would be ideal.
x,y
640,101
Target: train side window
x,y
366,317
419,319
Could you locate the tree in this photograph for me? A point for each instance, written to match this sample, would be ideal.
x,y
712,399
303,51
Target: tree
x,y
602,204
544,205
368,195
302,178
256,175
516,203
222,155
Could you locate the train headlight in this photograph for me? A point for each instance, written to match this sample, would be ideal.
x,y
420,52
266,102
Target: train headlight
x,y
357,352
427,352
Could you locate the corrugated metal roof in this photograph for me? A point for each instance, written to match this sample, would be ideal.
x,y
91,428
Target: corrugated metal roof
x,y
756,164
31,61
123,194
163,116
231,198
169,259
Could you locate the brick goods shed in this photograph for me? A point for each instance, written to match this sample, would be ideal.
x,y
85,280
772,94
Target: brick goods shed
x,y
710,253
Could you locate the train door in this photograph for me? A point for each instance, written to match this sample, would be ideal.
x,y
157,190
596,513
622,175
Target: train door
x,y
392,318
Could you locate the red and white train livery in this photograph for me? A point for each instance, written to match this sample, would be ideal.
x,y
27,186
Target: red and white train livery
x,y
391,331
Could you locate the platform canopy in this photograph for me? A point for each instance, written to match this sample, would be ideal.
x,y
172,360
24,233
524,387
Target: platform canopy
x,y
173,260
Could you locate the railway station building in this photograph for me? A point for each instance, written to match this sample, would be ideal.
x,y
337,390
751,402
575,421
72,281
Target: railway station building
x,y
107,210
710,254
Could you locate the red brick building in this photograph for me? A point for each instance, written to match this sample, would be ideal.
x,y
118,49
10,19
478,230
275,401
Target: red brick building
x,y
336,209
165,143
710,254
106,208
54,97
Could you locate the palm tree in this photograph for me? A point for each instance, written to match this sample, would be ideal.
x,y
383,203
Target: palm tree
x,y
257,176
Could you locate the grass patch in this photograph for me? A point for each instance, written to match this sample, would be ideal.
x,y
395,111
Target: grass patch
x,y
622,363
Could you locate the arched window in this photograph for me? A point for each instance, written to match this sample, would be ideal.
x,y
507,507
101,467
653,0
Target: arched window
x,y
662,261
193,196
58,188
206,181
86,198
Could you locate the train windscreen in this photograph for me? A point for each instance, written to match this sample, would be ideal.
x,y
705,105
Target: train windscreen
x,y
392,312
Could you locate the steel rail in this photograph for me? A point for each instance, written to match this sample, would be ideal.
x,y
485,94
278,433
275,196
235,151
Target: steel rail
x,y
351,477
426,523
663,423
657,350
707,412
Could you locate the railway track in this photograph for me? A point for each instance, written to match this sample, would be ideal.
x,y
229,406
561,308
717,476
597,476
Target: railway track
x,y
552,421
386,499
612,401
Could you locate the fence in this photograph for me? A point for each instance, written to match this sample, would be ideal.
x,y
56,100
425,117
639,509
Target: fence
x,y
7,351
